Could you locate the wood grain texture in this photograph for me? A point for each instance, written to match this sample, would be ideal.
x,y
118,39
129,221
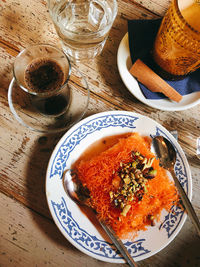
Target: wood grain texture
x,y
29,236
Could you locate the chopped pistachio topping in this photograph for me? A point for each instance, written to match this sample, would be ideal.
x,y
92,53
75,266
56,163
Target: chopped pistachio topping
x,y
133,181
125,210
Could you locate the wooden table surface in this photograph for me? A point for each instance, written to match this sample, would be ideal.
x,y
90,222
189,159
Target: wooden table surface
x,y
29,236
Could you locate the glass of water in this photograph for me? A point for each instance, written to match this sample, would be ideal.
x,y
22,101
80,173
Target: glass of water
x,y
82,25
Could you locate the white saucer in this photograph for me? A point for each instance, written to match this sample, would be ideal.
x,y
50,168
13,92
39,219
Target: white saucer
x,y
124,63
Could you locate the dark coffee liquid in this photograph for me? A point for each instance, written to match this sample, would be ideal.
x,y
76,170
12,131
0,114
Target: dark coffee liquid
x,y
54,105
43,75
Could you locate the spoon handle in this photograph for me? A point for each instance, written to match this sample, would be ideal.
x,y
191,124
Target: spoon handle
x,y
119,245
186,202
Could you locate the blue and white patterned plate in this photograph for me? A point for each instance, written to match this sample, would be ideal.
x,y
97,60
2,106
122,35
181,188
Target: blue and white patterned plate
x,y
78,228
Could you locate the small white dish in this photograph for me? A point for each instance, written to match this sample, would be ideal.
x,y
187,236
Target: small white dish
x,y
124,64
84,233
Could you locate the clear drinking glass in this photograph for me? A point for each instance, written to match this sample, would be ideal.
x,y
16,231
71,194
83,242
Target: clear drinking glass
x,y
43,71
82,25
47,94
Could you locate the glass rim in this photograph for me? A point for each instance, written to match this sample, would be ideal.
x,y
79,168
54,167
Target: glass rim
x,y
48,93
184,20
108,26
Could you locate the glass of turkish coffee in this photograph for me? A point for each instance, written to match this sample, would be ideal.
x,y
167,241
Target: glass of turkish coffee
x,y
43,71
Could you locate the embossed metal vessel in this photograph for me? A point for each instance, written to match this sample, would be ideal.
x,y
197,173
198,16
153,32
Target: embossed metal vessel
x,y
177,45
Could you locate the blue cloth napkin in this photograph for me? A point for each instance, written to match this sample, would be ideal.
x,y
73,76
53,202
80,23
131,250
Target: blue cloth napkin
x,y
142,34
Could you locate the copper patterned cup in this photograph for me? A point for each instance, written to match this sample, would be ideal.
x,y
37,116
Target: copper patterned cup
x,y
177,45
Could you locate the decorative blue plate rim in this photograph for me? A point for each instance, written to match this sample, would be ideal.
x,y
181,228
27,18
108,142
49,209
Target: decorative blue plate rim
x,y
67,215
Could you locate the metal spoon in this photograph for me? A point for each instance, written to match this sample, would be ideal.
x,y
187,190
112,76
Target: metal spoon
x,y
80,195
167,155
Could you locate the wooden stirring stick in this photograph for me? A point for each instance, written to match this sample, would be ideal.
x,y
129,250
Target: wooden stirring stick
x,y
153,81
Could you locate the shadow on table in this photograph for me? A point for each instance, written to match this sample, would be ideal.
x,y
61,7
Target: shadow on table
x,y
107,66
36,196
186,255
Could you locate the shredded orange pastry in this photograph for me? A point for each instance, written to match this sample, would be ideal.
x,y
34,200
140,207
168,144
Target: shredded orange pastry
x,y
128,188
